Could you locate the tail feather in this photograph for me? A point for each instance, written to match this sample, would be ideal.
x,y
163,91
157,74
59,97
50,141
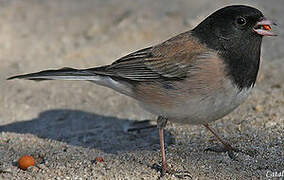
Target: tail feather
x,y
60,74
96,75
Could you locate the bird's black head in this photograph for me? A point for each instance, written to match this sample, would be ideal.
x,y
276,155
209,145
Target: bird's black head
x,y
236,33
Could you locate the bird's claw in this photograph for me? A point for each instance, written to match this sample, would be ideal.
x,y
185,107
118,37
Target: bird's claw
x,y
231,151
137,126
176,173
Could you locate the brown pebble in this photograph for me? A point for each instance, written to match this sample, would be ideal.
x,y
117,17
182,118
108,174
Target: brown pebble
x,y
99,159
26,161
258,108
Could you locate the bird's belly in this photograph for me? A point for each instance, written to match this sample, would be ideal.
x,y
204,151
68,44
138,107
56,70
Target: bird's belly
x,y
199,109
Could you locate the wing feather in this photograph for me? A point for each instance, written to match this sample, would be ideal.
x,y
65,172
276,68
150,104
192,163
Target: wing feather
x,y
172,59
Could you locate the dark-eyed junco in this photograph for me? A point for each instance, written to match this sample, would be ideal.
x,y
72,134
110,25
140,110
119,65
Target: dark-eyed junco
x,y
196,77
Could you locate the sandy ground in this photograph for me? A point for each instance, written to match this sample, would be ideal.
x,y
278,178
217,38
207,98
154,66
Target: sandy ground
x,y
66,125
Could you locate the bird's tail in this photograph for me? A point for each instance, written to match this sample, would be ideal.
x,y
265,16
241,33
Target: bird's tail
x,y
59,74
97,75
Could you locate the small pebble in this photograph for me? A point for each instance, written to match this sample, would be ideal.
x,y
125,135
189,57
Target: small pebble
x,y
99,159
258,108
26,161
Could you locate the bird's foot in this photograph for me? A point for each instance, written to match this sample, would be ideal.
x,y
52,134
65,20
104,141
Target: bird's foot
x,y
231,151
177,173
137,126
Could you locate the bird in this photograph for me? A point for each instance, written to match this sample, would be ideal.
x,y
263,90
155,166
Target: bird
x,y
196,77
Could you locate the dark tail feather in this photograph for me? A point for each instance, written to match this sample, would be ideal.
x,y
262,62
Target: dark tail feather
x,y
61,74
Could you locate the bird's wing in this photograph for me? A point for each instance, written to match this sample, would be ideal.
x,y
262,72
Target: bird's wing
x,y
173,59
170,60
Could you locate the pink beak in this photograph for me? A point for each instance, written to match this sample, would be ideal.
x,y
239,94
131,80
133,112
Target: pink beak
x,y
263,28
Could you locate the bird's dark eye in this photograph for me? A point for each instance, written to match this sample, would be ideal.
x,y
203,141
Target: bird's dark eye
x,y
241,21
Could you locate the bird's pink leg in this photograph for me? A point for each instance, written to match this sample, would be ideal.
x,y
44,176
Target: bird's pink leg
x,y
227,145
161,123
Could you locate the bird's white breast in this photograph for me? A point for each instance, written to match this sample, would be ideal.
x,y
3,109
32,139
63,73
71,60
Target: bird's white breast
x,y
204,108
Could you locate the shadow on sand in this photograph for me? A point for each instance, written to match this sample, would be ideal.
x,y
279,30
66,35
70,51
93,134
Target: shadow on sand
x,y
80,128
